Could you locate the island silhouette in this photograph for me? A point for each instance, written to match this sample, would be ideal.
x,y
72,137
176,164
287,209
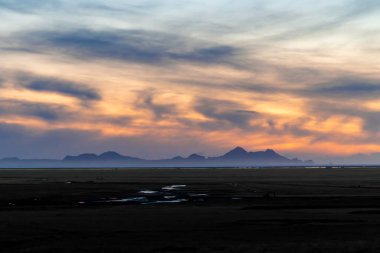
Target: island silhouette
x,y
235,157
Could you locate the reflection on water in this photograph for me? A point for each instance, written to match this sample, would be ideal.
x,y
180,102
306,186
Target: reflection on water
x,y
173,187
166,201
198,195
170,194
148,192
169,197
115,200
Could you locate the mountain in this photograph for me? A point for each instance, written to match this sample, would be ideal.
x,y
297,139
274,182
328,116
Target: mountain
x,y
111,155
10,159
233,158
82,157
269,155
104,157
240,154
236,153
195,157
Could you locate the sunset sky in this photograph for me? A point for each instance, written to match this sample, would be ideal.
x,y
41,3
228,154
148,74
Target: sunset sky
x,y
159,78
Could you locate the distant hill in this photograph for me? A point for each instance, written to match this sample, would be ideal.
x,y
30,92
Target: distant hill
x,y
268,156
106,156
233,158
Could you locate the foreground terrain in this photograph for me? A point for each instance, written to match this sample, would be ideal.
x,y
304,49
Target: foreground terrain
x,y
190,210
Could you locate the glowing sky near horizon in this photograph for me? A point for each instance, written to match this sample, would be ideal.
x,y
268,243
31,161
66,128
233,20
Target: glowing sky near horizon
x,y
158,78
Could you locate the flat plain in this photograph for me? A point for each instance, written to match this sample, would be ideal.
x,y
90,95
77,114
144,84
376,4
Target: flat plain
x,y
190,210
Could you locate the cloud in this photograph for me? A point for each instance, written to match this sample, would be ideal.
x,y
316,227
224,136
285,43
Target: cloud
x,y
47,112
59,86
23,142
336,16
343,97
146,100
346,88
58,113
126,45
205,55
224,111
18,140
325,109
27,6
118,121
112,8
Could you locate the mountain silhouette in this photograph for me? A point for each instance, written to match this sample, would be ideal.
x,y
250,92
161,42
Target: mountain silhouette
x,y
235,157
196,157
236,153
111,155
82,157
239,154
106,156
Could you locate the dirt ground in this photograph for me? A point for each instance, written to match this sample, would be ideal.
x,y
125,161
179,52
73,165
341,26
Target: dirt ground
x,y
190,210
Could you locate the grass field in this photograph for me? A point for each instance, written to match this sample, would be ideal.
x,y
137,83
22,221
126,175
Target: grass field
x,y
190,210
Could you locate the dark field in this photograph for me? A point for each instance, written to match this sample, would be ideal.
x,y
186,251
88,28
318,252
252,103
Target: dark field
x,y
208,210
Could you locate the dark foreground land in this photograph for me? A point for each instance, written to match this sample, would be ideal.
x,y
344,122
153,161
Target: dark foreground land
x,y
190,210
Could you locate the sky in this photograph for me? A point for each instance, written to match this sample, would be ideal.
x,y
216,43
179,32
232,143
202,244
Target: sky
x,y
159,78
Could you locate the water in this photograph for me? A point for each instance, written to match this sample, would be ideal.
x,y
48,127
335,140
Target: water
x,y
123,200
173,187
170,194
148,192
174,201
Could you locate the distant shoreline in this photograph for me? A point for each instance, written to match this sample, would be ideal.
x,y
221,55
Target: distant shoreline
x,y
202,168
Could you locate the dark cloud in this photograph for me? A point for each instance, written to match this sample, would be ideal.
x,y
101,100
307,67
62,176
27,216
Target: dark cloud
x,y
224,111
47,112
205,55
57,113
119,121
146,100
126,45
60,86
346,88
